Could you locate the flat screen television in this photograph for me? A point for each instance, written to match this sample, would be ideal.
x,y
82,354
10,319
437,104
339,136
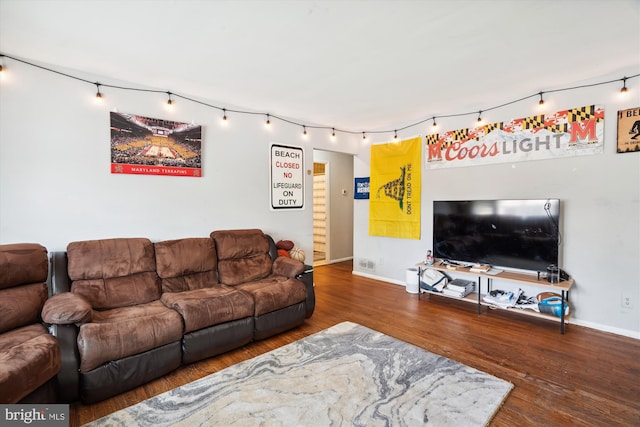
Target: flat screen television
x,y
517,234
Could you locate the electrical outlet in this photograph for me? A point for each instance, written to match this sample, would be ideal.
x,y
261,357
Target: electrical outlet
x,y
626,301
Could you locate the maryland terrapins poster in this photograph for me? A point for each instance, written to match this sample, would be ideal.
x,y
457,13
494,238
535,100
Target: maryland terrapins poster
x,y
394,201
148,146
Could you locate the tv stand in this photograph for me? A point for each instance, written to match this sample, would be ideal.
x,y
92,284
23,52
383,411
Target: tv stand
x,y
562,288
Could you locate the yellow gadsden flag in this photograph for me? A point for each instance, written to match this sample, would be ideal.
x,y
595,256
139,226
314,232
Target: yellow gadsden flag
x,y
394,203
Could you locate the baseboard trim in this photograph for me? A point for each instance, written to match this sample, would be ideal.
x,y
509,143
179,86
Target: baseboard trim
x,y
333,261
605,328
380,278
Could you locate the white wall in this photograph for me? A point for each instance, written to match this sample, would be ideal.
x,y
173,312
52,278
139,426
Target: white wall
x,y
55,180
55,184
599,195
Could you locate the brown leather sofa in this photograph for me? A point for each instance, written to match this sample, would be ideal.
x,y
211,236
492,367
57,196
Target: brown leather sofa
x,y
29,355
127,311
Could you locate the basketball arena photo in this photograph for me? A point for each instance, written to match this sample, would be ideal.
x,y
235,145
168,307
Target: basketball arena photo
x,y
148,146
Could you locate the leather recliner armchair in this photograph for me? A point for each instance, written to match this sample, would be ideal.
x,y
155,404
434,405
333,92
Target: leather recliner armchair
x,y
29,355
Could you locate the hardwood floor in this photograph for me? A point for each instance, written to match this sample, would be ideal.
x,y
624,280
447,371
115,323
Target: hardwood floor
x,y
583,378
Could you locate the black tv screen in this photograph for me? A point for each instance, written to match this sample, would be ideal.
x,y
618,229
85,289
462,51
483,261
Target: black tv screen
x,y
518,234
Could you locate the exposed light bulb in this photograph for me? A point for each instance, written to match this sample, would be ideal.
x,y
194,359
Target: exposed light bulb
x,y
224,120
395,135
169,101
479,121
304,132
541,102
434,126
98,94
623,90
333,134
268,122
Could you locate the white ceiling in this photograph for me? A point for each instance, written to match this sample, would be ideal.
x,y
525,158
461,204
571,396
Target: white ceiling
x,y
355,65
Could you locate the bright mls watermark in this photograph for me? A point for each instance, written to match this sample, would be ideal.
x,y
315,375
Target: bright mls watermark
x,y
23,414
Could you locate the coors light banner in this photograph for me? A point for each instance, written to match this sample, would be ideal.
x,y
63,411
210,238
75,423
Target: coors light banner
x,y
578,131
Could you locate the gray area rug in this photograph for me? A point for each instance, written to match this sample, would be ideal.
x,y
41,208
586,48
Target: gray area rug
x,y
345,375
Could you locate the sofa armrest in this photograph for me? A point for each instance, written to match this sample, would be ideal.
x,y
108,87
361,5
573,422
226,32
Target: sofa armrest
x,y
67,308
69,375
273,249
306,277
60,281
288,267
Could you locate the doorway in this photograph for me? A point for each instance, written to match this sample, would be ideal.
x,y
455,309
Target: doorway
x,y
320,213
332,207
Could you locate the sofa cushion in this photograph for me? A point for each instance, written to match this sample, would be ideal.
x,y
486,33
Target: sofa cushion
x,y
201,308
114,273
243,255
29,357
186,264
120,291
66,308
21,305
22,263
121,332
274,292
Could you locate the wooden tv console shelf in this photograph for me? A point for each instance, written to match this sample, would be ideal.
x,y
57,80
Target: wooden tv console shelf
x,y
562,288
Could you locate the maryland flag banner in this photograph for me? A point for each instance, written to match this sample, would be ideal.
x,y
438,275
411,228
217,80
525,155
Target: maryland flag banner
x,y
394,202
578,131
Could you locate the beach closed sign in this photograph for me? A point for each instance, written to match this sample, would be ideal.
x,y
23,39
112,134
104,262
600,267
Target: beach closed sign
x,y
287,177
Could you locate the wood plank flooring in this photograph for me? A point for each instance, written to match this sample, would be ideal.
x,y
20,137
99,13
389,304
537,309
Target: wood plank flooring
x,y
583,378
